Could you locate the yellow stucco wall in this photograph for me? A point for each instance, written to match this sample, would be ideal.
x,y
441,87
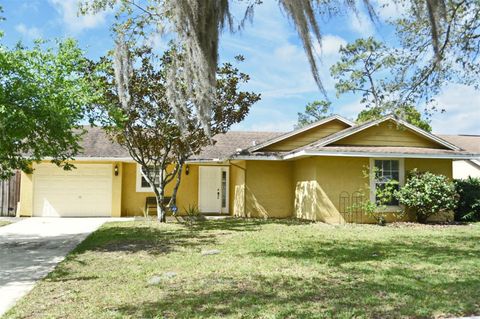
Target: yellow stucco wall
x,y
388,133
237,188
436,166
133,202
268,191
27,188
319,181
26,195
307,137
307,188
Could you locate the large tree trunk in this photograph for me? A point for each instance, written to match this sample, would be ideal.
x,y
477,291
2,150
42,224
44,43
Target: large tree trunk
x,y
161,211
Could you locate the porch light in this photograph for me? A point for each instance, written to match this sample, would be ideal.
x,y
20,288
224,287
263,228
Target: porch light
x,y
115,170
187,170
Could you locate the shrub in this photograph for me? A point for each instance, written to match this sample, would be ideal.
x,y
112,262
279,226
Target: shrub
x,y
468,208
427,194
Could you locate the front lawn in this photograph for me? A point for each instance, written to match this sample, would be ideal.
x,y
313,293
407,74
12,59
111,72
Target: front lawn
x,y
266,269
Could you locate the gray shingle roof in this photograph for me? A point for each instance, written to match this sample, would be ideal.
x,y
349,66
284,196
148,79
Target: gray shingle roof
x,y
95,143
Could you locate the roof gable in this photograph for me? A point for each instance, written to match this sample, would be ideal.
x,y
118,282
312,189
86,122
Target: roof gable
x,y
387,131
305,135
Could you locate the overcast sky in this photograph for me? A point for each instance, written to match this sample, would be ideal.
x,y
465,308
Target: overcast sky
x,y
275,59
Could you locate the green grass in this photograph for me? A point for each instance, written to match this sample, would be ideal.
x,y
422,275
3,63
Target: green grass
x,y
4,223
266,269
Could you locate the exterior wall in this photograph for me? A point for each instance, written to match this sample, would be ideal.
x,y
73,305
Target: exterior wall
x,y
436,166
307,188
307,137
387,133
237,188
26,195
268,191
133,202
464,169
27,188
319,181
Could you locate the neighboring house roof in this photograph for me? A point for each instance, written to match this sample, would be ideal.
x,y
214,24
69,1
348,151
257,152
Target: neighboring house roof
x,y
469,143
301,130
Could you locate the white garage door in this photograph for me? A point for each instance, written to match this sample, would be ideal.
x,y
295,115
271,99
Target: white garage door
x,y
84,191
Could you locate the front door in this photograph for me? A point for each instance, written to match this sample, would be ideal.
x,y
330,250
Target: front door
x,y
213,189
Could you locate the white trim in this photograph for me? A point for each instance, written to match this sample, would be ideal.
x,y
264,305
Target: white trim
x,y
96,159
401,177
301,130
226,209
372,154
138,182
390,117
257,158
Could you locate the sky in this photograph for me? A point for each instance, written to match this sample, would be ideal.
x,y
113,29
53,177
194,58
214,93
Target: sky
x,y
274,58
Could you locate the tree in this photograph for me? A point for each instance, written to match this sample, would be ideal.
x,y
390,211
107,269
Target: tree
x,y
146,125
198,24
365,67
456,58
43,98
371,68
409,114
314,111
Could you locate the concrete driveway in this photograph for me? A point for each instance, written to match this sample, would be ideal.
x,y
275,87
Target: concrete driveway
x,y
32,247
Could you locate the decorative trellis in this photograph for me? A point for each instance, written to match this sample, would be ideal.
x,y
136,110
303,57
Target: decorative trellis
x,y
351,207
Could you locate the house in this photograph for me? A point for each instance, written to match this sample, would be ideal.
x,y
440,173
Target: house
x,y
465,168
316,173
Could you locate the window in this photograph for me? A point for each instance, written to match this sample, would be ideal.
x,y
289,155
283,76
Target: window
x,y
142,183
383,171
224,189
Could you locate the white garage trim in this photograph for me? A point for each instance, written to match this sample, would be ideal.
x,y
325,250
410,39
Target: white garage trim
x,y
82,192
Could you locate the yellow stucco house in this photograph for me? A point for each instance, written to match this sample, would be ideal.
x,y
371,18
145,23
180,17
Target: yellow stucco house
x,y
316,173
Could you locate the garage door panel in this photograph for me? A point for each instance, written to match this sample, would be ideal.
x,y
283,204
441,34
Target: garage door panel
x,y
86,191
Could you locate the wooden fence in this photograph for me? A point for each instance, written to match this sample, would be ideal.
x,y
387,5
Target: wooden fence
x,y
9,195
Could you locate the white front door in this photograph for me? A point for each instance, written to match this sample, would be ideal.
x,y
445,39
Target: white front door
x,y
213,189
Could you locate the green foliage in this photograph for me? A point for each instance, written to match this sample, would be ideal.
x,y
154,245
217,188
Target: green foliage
x,y
383,195
266,269
468,208
43,97
148,126
427,194
370,68
408,113
314,111
457,43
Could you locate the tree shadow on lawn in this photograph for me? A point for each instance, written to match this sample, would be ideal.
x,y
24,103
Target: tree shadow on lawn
x,y
244,224
292,297
155,238
339,253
